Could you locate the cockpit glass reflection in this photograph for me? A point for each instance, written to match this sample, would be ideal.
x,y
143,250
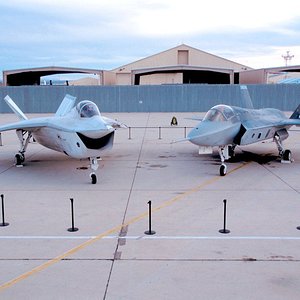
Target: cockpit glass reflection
x,y
87,109
219,113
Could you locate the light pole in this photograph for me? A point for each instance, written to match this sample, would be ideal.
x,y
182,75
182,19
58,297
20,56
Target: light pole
x,y
287,57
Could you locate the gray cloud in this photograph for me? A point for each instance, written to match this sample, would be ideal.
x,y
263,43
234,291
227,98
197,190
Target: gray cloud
x,y
96,34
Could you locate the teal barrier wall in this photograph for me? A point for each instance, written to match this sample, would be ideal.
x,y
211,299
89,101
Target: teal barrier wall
x,y
158,98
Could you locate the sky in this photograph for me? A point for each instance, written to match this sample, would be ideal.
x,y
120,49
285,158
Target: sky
x,y
106,34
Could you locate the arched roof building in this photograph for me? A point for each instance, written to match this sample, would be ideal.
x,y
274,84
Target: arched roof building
x,y
181,64
31,76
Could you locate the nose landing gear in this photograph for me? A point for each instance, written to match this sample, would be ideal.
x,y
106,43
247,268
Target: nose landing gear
x,y
225,153
94,166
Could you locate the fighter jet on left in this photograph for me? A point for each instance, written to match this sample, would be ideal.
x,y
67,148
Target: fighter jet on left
x,y
78,131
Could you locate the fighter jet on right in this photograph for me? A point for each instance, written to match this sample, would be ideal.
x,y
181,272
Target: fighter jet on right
x,y
227,126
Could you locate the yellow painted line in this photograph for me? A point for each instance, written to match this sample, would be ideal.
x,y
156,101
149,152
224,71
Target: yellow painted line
x,y
112,230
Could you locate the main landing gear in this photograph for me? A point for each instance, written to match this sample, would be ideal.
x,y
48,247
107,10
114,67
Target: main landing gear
x,y
94,166
24,141
285,155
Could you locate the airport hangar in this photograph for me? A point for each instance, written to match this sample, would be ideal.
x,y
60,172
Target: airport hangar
x,y
179,65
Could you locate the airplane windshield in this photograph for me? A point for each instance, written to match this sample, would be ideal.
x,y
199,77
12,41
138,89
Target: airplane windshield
x,y
219,113
87,109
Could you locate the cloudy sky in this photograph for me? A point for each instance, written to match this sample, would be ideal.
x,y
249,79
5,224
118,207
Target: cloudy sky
x,y
106,34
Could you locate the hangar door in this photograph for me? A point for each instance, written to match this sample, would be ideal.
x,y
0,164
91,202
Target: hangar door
x,y
209,77
189,77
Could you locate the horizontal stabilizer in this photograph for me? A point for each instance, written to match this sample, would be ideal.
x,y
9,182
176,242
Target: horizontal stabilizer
x,y
66,105
14,107
194,118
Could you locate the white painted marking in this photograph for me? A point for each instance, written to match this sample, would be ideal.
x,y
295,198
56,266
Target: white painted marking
x,y
153,237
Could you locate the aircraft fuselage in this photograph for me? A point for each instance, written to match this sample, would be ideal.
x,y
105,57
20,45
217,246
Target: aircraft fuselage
x,y
73,140
229,125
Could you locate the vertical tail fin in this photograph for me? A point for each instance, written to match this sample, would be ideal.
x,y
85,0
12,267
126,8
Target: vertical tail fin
x,y
296,113
65,106
247,102
14,107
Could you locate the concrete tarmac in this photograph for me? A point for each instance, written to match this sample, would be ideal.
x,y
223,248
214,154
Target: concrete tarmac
x,y
110,257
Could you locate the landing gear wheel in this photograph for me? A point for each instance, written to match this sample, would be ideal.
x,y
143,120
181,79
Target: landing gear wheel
x,y
287,155
223,170
94,178
20,158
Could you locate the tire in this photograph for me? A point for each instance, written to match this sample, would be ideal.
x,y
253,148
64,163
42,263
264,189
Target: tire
x,y
94,178
19,159
223,170
287,155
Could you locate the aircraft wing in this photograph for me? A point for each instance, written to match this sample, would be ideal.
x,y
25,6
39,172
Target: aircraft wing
x,y
113,123
290,122
35,124
28,125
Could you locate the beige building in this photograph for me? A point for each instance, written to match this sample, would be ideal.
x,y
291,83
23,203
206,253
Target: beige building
x,y
270,75
181,64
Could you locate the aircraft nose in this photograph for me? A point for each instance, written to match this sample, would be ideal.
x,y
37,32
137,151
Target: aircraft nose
x,y
213,133
198,131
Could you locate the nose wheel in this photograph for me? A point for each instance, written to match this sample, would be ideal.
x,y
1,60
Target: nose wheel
x,y
93,178
94,166
223,170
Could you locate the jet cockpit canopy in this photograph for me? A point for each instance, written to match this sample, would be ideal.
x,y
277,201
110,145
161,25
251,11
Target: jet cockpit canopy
x,y
219,113
87,109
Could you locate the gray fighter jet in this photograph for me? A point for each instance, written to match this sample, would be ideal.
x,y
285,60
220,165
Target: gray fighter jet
x,y
227,126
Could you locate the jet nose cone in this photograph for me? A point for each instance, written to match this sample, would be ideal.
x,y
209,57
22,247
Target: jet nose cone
x,y
213,133
197,132
192,134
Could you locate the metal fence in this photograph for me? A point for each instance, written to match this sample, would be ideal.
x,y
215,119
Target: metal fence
x,y
154,98
160,130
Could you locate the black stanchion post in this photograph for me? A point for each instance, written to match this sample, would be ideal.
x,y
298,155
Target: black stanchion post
x,y
3,220
72,229
149,231
224,230
129,133
159,133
